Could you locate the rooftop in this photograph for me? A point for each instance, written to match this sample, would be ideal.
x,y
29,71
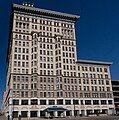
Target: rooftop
x,y
93,62
30,9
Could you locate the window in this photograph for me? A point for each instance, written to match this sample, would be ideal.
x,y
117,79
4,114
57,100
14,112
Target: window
x,y
34,102
95,82
42,102
33,93
26,86
102,95
23,64
60,102
106,76
78,67
109,95
107,82
33,113
15,102
24,102
15,63
49,94
44,95
110,102
15,56
100,69
26,93
87,95
24,113
15,49
95,102
97,69
105,69
27,57
19,50
108,88
95,95
67,102
16,42
103,102
23,43
75,102
80,88
23,57
14,78
87,102
51,102
27,64
27,50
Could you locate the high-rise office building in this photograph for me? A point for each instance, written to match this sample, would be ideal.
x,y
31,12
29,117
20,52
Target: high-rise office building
x,y
44,76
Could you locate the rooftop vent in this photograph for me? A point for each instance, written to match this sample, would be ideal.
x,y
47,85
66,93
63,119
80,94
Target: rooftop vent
x,y
28,4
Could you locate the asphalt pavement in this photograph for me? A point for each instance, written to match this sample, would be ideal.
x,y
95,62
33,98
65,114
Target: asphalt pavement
x,y
70,118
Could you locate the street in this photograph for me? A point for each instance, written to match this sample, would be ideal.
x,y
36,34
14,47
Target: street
x,y
70,118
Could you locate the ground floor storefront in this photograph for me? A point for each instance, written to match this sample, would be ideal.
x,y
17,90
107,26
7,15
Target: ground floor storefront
x,y
58,113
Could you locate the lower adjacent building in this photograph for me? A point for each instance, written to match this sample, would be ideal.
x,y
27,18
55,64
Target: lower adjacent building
x,y
44,77
89,93
115,88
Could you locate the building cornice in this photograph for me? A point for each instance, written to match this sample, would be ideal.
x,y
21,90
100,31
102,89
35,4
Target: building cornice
x,y
93,62
45,12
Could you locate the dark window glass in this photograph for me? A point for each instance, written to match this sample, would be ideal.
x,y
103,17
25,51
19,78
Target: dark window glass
x,y
103,102
51,102
95,102
42,102
110,102
24,102
87,102
75,102
34,102
33,113
15,102
67,102
60,102
24,113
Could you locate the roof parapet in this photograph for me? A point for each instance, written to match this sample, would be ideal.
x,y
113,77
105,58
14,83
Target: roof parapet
x,y
25,7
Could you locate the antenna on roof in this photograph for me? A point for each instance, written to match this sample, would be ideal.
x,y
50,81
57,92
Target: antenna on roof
x,y
28,4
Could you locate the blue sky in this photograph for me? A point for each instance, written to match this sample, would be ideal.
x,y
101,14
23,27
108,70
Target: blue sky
x,y
97,30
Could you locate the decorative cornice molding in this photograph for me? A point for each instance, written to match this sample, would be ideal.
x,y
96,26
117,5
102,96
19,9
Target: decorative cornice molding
x,y
45,12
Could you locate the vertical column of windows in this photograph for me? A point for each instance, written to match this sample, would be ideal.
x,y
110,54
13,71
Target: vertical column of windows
x,y
46,56
21,55
34,54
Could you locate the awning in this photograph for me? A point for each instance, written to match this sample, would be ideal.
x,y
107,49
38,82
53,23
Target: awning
x,y
55,108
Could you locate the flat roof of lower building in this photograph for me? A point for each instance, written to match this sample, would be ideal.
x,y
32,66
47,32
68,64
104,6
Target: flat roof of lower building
x,y
93,62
